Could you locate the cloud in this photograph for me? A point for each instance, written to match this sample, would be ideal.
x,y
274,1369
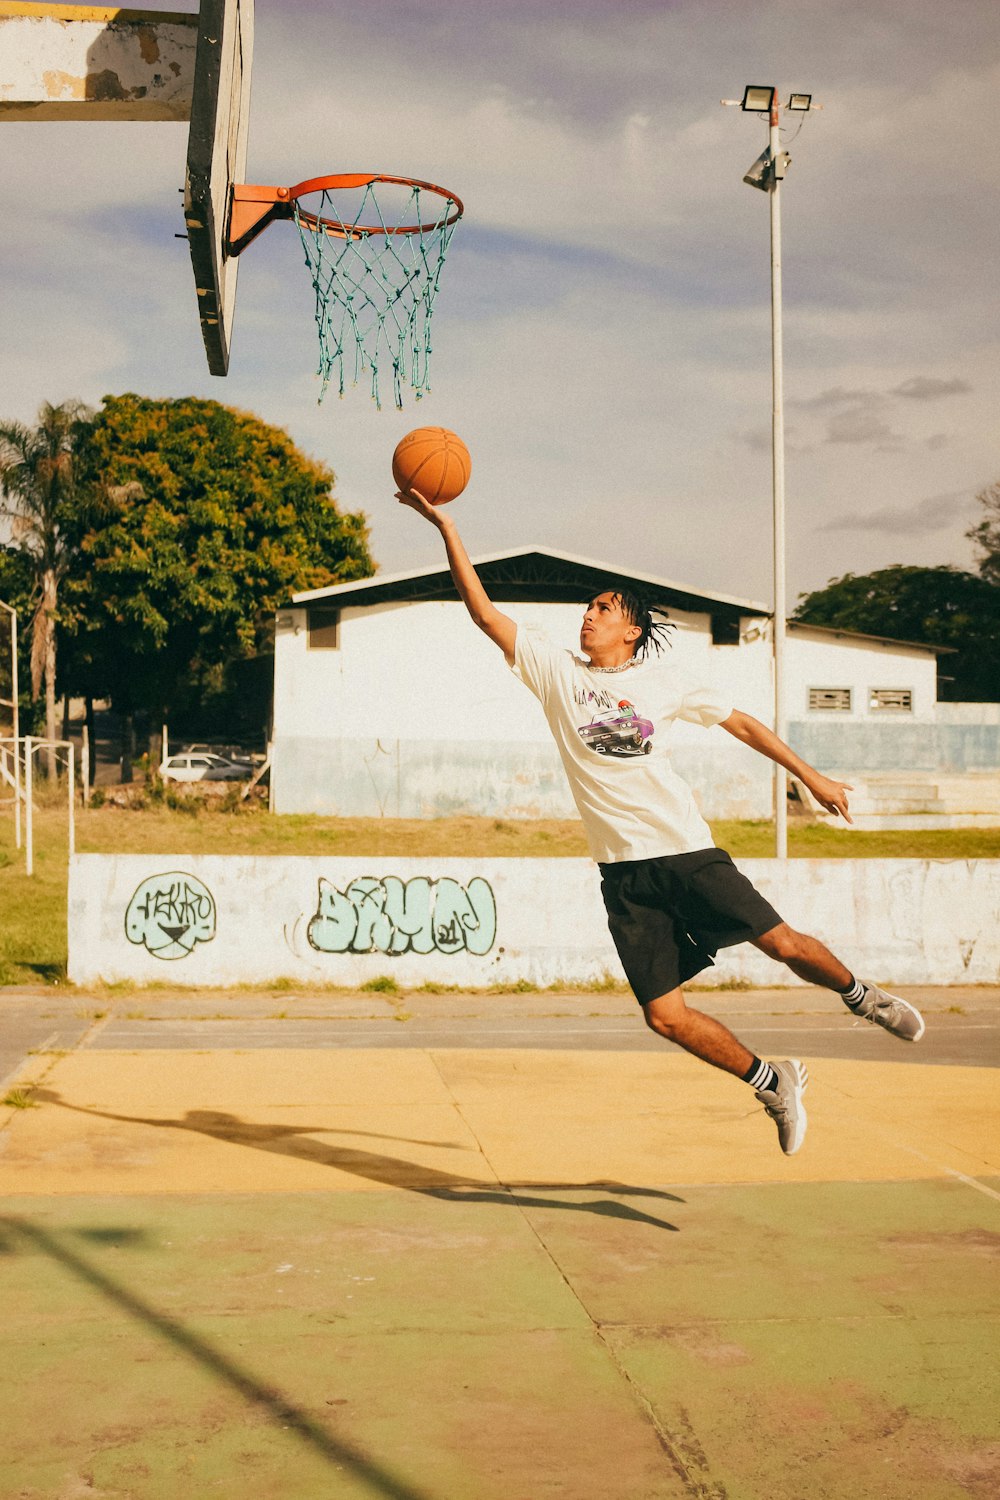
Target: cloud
x,y
860,424
831,398
860,414
602,337
925,388
935,513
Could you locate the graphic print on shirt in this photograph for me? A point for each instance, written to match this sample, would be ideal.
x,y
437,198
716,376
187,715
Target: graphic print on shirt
x,y
616,730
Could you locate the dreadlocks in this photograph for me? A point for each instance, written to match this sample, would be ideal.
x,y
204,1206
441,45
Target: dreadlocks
x,y
640,611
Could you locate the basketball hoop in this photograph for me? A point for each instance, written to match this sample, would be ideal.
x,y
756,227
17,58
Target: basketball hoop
x,y
375,273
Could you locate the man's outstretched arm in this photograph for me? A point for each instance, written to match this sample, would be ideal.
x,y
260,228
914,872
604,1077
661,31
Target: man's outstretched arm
x,y
491,621
828,793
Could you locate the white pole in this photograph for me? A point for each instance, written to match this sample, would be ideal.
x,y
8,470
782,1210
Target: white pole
x,y
29,842
17,730
15,720
72,800
778,487
165,751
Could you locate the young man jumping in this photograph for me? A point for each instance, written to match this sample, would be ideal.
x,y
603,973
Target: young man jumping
x,y
673,899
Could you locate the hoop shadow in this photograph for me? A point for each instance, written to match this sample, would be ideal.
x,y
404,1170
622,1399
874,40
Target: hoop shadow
x,y
286,1413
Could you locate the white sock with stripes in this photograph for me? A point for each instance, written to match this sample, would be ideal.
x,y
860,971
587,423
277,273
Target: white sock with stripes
x,y
853,997
761,1076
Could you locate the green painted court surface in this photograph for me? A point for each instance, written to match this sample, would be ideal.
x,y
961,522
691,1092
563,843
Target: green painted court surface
x,y
502,1274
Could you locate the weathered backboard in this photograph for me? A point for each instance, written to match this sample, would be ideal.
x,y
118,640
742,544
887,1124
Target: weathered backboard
x,y
217,149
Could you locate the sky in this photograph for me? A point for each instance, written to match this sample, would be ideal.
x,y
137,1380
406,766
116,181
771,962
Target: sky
x,y
602,336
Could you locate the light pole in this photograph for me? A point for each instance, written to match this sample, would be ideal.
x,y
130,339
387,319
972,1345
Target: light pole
x,y
767,173
16,727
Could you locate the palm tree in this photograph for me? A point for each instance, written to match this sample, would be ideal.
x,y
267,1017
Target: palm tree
x,y
36,481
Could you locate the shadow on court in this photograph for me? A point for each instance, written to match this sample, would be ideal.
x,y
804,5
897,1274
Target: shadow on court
x,y
286,1414
297,1142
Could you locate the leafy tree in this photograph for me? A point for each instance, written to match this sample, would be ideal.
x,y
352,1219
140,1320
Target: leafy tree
x,y
195,522
935,606
38,483
986,534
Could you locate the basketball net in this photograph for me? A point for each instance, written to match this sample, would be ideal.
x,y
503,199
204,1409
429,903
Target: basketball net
x,y
375,290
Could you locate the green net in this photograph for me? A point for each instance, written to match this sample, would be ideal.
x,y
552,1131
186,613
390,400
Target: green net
x,y
375,284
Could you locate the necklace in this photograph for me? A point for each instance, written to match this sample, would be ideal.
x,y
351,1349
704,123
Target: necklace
x,y
623,667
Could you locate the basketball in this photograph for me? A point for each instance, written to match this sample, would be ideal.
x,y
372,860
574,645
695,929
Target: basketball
x,y
434,461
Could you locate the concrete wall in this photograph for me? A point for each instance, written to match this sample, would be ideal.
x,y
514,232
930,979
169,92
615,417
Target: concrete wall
x,y
229,920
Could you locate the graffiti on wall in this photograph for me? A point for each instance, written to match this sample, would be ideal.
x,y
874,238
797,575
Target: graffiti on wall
x,y
169,914
389,915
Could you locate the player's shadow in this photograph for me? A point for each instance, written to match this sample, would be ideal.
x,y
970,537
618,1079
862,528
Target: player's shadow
x,y
298,1141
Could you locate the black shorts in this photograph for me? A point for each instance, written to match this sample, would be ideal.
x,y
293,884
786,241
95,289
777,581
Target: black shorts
x,y
670,916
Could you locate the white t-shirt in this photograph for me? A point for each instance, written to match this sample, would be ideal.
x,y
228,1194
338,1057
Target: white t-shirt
x,y
611,729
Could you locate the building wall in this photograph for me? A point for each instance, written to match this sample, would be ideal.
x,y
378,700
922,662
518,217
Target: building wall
x,y
414,714
949,749
948,738
822,660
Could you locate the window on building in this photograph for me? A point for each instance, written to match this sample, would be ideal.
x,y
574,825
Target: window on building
x,y
324,628
830,700
725,630
890,700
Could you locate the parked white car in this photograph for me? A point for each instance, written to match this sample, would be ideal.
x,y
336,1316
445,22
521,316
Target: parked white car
x,y
203,766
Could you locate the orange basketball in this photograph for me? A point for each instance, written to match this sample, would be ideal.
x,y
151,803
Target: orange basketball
x,y
433,461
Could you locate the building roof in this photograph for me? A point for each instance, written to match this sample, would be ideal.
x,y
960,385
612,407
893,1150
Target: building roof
x,y
529,574
544,575
860,635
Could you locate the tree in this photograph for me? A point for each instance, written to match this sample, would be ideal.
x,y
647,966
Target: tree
x,y
38,483
986,534
935,606
194,523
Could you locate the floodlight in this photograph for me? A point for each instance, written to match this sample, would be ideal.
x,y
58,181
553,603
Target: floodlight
x,y
757,98
800,102
759,175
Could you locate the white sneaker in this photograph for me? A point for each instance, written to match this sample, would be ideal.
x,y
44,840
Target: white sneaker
x,y
784,1104
896,1015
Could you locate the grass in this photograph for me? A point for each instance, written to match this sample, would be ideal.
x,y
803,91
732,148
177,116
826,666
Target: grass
x,y
33,910
19,1098
382,984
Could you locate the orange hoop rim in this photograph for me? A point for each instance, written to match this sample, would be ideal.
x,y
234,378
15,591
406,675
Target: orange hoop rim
x,y
364,179
252,207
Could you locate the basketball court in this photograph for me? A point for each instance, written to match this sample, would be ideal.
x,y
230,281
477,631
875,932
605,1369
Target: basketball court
x,y
490,1250
464,1268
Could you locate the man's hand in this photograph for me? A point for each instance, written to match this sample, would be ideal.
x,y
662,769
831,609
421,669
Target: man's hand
x,y
415,500
832,795
492,622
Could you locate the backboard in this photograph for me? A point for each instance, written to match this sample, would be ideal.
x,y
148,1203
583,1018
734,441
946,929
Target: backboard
x,y
217,149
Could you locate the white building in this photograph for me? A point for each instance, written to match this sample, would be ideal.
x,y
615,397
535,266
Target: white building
x,y
389,702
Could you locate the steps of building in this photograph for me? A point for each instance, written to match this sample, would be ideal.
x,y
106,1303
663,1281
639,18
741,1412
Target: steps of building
x,y
918,820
